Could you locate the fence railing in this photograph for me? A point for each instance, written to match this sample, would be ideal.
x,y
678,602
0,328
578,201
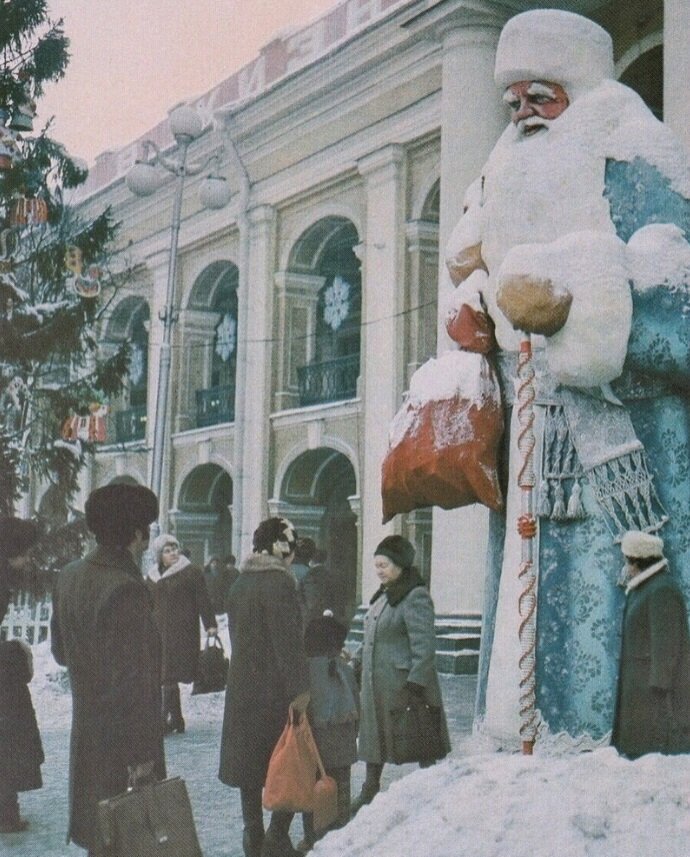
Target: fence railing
x,y
330,381
215,405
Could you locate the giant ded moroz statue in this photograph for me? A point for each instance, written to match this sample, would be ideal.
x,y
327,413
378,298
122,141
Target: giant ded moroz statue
x,y
576,233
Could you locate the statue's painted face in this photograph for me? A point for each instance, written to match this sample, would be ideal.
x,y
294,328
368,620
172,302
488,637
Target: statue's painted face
x,y
534,104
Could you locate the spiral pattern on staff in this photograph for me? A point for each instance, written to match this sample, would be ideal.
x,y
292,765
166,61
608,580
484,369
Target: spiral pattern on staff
x,y
527,603
525,399
527,606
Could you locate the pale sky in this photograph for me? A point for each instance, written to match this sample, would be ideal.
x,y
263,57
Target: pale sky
x,y
134,59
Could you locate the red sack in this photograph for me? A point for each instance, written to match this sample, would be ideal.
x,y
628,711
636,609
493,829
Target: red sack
x,y
445,440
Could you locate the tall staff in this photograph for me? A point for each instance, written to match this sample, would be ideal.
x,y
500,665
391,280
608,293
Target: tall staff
x,y
527,528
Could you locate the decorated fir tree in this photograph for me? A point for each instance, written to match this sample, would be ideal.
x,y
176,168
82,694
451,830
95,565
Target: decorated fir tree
x,y
55,278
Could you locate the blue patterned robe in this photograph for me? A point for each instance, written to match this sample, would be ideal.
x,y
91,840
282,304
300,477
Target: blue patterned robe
x,y
579,605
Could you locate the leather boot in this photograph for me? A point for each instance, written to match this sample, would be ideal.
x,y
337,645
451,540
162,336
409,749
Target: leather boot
x,y
176,719
10,820
277,840
370,788
253,818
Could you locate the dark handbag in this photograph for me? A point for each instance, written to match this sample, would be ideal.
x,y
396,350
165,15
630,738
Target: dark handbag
x,y
153,820
417,733
212,669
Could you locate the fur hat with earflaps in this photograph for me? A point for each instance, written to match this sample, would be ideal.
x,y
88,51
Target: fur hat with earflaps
x,y
275,537
638,545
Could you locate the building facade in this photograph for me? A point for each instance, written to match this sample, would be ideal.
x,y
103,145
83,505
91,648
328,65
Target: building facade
x,y
307,303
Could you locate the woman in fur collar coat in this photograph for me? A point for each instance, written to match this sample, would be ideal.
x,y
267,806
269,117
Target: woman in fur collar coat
x,y
398,659
268,672
180,598
653,701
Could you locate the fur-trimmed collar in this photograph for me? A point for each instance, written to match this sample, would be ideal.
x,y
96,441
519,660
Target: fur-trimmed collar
x,y
155,574
258,562
400,588
634,582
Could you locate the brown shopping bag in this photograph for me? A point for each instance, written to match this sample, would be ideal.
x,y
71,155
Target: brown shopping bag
x,y
445,439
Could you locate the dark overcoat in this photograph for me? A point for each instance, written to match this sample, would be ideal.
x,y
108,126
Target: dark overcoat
x,y
180,599
399,646
21,753
268,668
653,700
103,631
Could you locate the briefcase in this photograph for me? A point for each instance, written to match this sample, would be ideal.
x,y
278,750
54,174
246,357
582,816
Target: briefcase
x,y
153,820
417,733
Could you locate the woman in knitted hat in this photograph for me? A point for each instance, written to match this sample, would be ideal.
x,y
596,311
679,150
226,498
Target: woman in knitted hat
x,y
180,598
21,753
397,661
268,673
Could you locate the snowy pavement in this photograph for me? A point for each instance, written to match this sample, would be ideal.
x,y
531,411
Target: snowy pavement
x,y
478,802
193,756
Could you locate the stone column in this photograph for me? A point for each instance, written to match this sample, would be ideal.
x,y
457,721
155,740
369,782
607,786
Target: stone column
x,y
472,118
382,332
677,68
297,297
257,366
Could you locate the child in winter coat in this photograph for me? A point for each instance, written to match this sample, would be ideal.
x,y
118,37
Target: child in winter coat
x,y
333,712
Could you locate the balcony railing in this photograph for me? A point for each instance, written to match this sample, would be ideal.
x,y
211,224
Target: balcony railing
x,y
131,424
215,405
331,381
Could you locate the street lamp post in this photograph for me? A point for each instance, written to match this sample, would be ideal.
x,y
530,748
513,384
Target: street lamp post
x,y
144,179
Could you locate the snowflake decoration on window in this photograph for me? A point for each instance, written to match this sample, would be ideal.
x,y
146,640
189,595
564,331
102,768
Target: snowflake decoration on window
x,y
136,364
226,337
337,298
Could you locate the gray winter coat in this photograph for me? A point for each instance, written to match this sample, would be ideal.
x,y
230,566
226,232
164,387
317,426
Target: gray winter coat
x,y
399,646
102,629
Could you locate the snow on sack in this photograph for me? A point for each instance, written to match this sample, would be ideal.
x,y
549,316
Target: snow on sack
x,y
444,440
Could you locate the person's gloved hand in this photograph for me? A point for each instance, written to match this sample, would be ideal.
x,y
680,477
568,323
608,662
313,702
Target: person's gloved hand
x,y
532,304
142,773
300,703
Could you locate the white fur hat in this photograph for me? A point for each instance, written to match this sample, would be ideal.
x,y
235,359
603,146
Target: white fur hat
x,y
637,545
160,542
557,46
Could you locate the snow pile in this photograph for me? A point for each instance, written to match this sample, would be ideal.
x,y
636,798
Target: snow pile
x,y
489,804
658,254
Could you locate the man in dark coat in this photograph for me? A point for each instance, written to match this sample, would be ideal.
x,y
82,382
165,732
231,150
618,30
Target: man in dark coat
x,y
21,753
268,673
103,631
653,701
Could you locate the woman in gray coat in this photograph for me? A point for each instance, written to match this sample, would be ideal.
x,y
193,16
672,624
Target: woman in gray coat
x,y
397,659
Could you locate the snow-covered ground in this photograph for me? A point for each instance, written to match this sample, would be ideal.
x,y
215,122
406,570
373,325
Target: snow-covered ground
x,y
478,803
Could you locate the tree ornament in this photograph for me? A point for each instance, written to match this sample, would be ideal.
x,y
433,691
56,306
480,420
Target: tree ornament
x,y
28,210
91,428
86,285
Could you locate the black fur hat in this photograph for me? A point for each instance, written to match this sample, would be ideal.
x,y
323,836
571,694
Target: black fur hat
x,y
324,635
398,550
114,512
